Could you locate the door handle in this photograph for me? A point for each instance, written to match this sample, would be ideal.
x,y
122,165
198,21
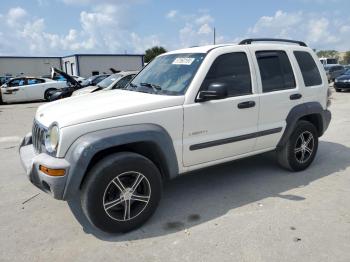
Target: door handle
x,y
246,104
295,96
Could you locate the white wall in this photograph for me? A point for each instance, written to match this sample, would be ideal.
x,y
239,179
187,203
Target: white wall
x,y
29,66
102,64
69,65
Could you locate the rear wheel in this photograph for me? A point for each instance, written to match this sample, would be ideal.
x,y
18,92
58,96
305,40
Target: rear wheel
x,y
121,192
301,148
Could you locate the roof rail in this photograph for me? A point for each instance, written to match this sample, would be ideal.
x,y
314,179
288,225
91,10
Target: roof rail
x,y
250,40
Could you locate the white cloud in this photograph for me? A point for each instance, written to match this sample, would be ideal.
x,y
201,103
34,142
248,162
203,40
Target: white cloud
x,y
105,28
318,30
171,14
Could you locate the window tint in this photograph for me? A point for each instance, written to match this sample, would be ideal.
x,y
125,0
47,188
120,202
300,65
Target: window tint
x,y
233,70
33,81
17,82
308,68
275,70
123,82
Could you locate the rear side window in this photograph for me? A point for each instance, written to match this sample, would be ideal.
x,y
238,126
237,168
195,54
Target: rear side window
x,y
308,68
275,70
233,70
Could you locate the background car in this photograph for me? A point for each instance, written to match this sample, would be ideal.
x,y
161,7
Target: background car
x,y
94,80
22,89
342,82
4,79
333,71
115,81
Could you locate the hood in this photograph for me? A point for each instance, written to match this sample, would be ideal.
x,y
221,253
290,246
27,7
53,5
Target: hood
x,y
100,105
68,78
85,90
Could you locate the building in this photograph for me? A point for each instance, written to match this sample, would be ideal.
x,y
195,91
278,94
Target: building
x,y
86,65
26,65
83,65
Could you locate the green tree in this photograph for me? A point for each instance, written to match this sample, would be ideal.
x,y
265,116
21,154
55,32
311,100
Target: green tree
x,y
153,52
346,58
328,53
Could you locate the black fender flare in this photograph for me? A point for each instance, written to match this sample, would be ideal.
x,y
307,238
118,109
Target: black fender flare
x,y
302,110
82,151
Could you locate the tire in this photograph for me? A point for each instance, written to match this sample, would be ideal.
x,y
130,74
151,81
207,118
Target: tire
x,y
337,90
295,156
110,188
47,93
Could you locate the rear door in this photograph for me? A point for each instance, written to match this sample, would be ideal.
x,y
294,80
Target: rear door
x,y
280,92
35,89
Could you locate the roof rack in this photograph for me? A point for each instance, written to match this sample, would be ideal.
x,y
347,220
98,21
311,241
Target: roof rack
x,y
250,40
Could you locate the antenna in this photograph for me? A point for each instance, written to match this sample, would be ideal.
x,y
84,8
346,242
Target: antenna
x,y
214,36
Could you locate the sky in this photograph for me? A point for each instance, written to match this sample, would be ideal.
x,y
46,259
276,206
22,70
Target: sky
x,y
64,27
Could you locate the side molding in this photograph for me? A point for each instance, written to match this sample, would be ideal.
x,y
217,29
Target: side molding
x,y
87,146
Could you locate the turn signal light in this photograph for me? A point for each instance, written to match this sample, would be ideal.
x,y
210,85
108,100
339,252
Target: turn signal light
x,y
52,172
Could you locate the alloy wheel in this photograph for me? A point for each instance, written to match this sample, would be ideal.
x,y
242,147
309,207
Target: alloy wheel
x,y
126,196
304,147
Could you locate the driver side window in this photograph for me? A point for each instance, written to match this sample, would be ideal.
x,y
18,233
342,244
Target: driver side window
x,y
231,69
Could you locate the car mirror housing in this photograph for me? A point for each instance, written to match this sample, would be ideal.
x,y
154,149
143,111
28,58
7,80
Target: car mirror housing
x,y
215,91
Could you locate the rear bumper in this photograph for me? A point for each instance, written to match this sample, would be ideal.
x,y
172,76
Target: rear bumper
x,y
31,163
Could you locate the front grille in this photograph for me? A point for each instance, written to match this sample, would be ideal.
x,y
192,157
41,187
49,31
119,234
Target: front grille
x,y
38,137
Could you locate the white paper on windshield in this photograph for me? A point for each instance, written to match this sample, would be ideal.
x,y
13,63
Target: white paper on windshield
x,y
183,61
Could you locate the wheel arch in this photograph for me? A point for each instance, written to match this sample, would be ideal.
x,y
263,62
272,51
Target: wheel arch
x,y
149,140
312,112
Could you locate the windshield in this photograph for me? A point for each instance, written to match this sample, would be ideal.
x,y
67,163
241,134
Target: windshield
x,y
347,72
168,74
109,80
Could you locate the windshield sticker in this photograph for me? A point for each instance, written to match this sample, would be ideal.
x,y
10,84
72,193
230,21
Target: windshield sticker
x,y
183,61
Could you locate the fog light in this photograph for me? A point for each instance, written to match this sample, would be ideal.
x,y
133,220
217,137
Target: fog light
x,y
52,172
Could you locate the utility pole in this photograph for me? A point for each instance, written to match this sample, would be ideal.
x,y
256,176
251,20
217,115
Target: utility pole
x,y
214,35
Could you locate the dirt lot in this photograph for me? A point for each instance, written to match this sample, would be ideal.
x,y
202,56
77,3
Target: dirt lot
x,y
248,210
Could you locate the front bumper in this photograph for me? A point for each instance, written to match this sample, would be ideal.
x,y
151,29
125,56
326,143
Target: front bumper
x,y
31,162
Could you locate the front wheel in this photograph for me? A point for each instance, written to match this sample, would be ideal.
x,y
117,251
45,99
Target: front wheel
x,y
121,192
301,148
48,93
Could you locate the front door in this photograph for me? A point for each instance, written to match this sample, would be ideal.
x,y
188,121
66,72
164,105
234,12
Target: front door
x,y
15,91
225,128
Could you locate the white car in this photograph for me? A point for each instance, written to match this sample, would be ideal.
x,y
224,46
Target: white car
x,y
115,81
22,89
108,154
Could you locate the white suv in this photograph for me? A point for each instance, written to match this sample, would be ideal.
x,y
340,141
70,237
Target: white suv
x,y
107,154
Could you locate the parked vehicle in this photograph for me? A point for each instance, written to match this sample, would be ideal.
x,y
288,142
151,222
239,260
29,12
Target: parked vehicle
x,y
328,61
115,81
347,67
94,80
333,71
21,89
342,82
4,79
72,85
108,154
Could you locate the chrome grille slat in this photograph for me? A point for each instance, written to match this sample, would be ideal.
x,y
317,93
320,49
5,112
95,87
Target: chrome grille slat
x,y
38,134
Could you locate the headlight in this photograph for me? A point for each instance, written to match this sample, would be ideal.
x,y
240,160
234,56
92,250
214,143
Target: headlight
x,y
336,80
52,138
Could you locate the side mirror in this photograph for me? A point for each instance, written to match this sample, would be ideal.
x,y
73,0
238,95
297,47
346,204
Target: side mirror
x,y
215,91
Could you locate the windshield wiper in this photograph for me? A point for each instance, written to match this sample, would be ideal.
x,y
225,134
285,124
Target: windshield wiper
x,y
155,87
